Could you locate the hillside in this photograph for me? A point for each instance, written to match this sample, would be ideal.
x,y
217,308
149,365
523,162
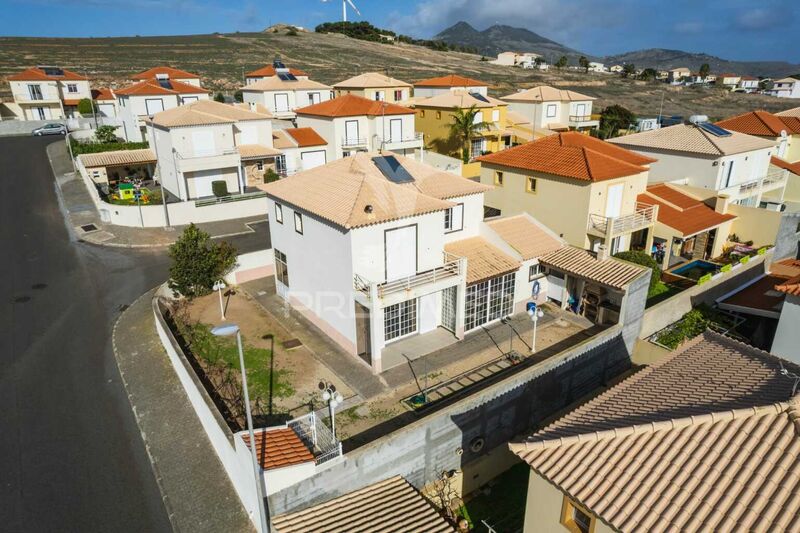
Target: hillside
x,y
221,61
500,38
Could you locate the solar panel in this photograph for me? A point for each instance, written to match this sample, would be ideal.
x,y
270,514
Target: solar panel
x,y
479,96
53,71
713,129
278,64
290,76
165,84
285,76
392,169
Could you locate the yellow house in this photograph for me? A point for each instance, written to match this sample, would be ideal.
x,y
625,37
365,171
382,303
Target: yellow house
x,y
583,187
375,86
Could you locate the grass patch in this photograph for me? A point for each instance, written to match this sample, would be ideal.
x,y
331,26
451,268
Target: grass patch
x,y
660,292
692,324
503,507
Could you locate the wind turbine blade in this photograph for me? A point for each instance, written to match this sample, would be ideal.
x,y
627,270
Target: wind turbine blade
x,y
354,6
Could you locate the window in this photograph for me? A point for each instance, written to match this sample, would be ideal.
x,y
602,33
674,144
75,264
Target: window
x,y
498,178
72,87
476,147
530,184
575,518
278,213
438,115
260,165
35,91
398,95
495,115
313,98
478,118
281,268
421,113
454,218
380,96
488,300
400,319
551,110
298,222
534,272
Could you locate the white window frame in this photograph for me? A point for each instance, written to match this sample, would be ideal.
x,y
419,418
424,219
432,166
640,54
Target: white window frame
x,y
495,115
380,96
281,268
298,222
551,111
278,213
454,218
72,87
400,320
259,165
478,118
535,272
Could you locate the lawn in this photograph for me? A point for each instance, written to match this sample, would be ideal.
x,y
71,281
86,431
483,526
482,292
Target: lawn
x,y
660,292
503,508
692,324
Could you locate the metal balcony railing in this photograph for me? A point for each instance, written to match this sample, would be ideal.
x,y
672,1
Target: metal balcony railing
x,y
353,141
771,180
228,151
400,139
453,266
644,216
580,118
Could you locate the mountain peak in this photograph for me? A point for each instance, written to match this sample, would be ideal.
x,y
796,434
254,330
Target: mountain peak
x,y
500,38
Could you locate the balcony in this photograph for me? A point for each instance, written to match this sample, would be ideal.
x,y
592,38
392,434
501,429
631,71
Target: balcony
x,y
583,121
610,227
401,142
223,159
26,98
452,269
774,179
353,142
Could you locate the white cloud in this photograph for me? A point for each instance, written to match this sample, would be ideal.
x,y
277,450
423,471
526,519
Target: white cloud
x,y
688,27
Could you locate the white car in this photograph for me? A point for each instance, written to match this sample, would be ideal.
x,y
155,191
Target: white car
x,y
50,129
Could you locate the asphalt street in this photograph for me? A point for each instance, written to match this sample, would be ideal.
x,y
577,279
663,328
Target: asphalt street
x,y
71,457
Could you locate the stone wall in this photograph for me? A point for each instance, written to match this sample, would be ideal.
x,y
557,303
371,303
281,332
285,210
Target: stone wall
x,y
786,241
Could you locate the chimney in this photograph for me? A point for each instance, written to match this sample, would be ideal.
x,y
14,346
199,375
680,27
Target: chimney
x,y
602,252
252,106
721,204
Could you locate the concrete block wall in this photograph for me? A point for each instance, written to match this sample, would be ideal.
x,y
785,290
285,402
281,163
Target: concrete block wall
x,y
786,241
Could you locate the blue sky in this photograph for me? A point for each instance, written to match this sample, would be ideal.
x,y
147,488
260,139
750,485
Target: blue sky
x,y
732,29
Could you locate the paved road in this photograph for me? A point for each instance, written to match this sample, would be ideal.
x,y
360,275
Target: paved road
x,y
71,458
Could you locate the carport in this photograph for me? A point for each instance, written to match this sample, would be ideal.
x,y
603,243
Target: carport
x,y
107,169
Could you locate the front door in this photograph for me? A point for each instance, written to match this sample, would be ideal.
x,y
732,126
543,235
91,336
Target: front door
x,y
363,339
351,132
396,130
41,113
401,252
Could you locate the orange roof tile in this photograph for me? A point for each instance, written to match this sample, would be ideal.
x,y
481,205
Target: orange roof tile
x,y
584,264
792,124
102,93
37,74
790,268
151,87
268,70
572,155
682,212
306,137
173,73
351,105
794,168
759,123
451,80
283,448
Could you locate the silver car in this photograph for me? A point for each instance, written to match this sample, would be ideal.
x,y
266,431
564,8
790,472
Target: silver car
x,y
51,129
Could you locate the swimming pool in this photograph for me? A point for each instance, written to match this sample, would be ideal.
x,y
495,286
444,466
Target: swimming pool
x,y
696,269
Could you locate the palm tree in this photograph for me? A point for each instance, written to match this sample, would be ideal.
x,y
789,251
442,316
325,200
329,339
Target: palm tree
x,y
464,127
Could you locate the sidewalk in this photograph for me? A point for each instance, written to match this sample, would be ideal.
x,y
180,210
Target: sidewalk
x,y
196,490
85,224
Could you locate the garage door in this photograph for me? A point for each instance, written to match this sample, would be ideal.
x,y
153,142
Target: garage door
x,y
154,105
202,182
106,110
313,159
281,102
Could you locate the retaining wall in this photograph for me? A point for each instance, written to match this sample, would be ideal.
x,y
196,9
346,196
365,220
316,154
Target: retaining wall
x,y
250,266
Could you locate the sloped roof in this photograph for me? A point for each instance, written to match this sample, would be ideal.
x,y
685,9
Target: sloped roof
x,y
794,168
253,107
692,139
390,505
451,80
173,73
545,93
118,157
583,263
790,267
279,448
37,74
484,261
281,139
703,440
203,112
102,94
304,137
571,155
370,79
680,211
759,123
787,80
352,192
459,99
256,151
526,235
351,105
793,112
268,71
152,87
274,83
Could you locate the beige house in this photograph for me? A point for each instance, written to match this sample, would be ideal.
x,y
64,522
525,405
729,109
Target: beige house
x,y
677,74
449,83
301,148
583,187
48,93
283,96
728,80
553,109
782,130
703,440
169,73
375,86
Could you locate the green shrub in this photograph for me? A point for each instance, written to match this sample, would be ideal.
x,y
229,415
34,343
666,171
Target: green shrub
x,y
219,97
105,134
693,324
744,259
644,259
79,147
85,107
220,188
270,176
198,262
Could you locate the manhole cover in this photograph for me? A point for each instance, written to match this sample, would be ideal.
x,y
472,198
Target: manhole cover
x,y
89,227
22,299
38,286
292,343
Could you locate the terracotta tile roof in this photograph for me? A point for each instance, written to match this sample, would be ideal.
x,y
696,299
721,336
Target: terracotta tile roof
x,y
352,192
350,105
390,505
792,124
282,140
269,71
526,235
681,212
545,93
305,137
118,157
760,295
583,263
274,83
689,138
173,74
451,80
256,151
571,155
793,112
791,269
253,107
703,440
102,94
438,184
459,99
203,112
151,87
794,168
370,79
283,448
484,261
759,123
37,74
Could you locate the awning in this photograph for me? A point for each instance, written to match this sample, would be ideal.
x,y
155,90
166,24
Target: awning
x,y
584,264
118,158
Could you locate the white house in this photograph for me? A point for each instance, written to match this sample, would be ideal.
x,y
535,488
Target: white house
x,y
270,71
787,334
728,80
47,93
594,66
516,59
451,82
206,141
677,74
785,88
282,96
301,148
352,124
553,109
749,84
375,86
144,99
709,157
375,248
170,73
105,103
616,69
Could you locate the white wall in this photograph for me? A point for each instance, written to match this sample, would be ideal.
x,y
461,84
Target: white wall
x,y
425,92
787,337
327,130
473,217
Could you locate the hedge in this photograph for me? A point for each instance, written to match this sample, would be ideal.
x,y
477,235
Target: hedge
x,y
79,148
644,259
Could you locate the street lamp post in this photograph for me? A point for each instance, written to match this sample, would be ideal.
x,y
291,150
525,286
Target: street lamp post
x,y
535,313
229,330
333,398
218,286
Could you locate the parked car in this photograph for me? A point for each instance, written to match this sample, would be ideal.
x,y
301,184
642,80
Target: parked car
x,y
51,129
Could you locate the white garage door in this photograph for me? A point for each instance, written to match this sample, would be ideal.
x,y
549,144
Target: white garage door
x,y
313,159
401,252
106,110
203,180
282,102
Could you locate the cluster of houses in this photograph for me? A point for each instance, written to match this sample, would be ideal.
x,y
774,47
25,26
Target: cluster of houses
x,y
369,200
